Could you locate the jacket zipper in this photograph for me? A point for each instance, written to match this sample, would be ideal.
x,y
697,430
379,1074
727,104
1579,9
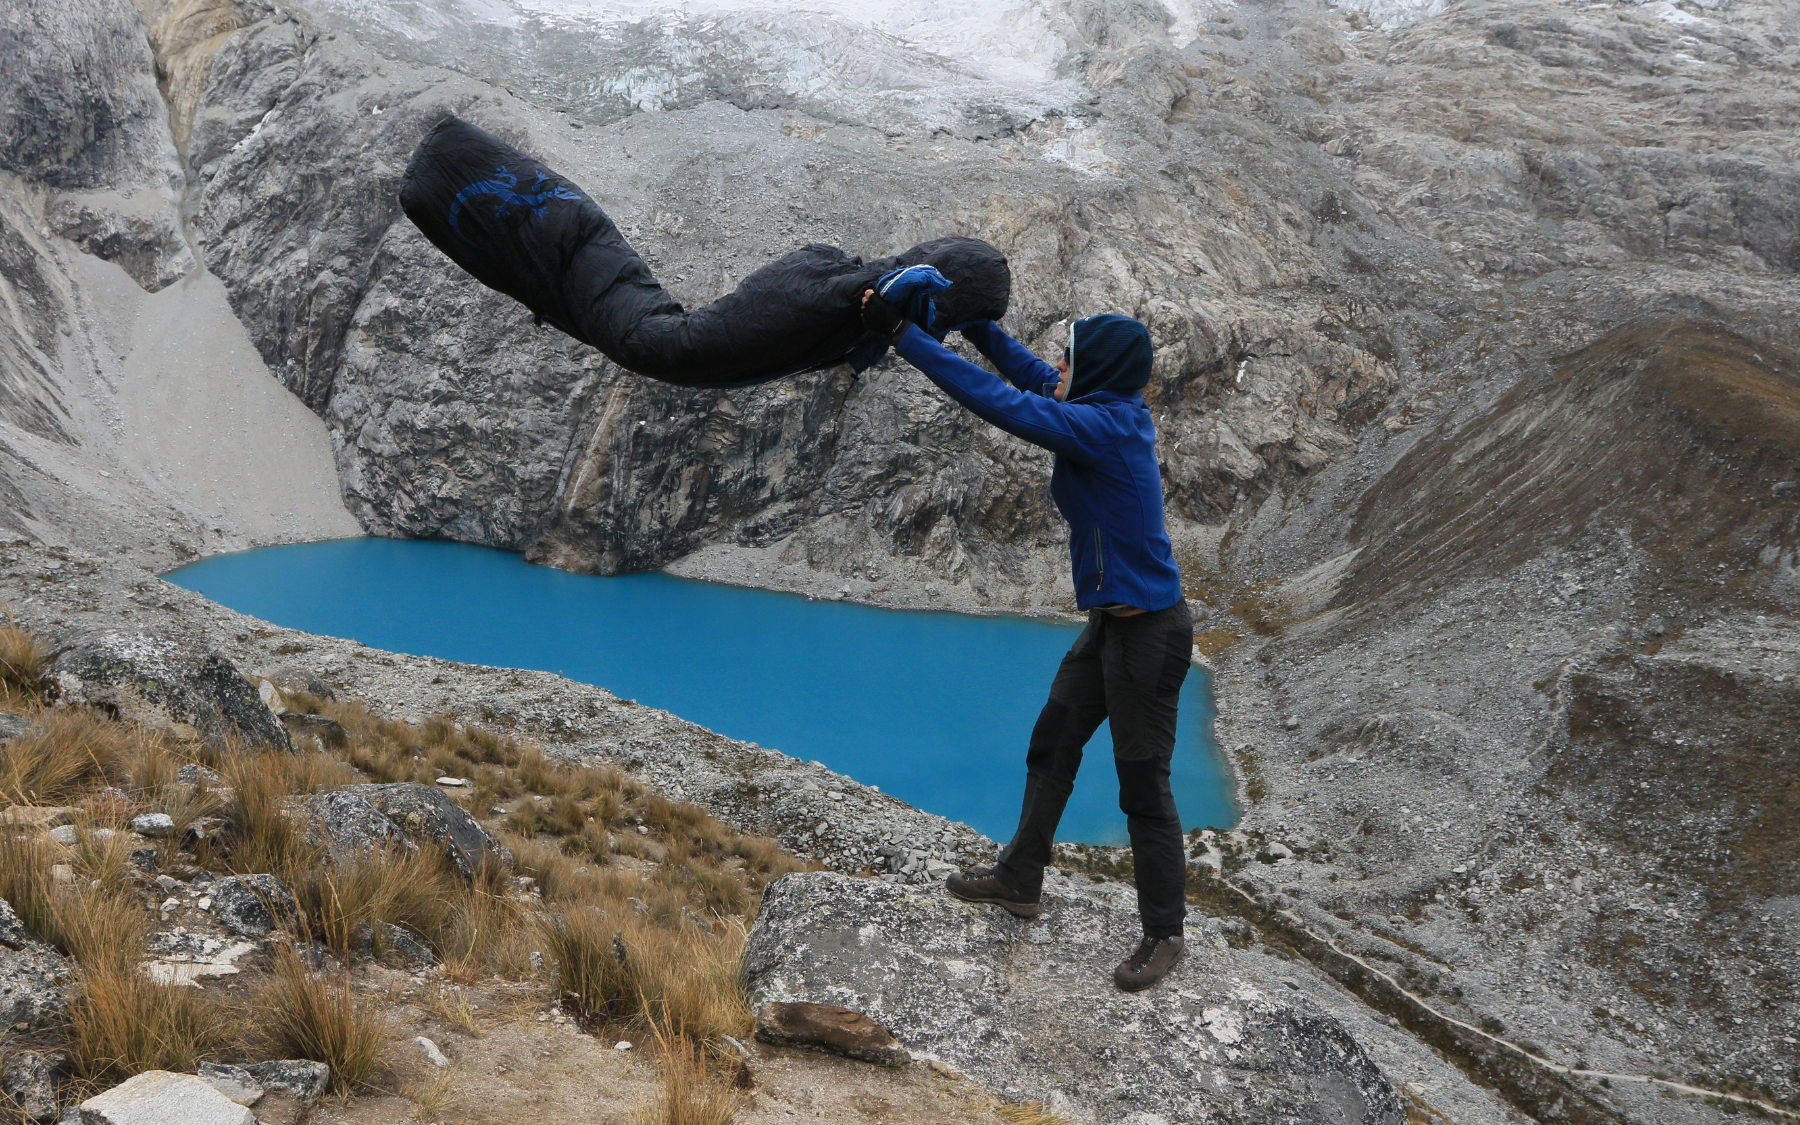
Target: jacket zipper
x,y
1099,560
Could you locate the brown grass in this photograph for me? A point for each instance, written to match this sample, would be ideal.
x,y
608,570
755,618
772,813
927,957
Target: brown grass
x,y
122,1023
580,896
305,1014
91,924
431,1098
694,1091
620,965
24,660
490,935
25,878
414,889
1212,642
106,861
264,838
76,750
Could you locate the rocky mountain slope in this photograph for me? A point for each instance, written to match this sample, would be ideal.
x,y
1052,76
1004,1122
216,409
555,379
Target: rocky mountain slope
x,y
1477,401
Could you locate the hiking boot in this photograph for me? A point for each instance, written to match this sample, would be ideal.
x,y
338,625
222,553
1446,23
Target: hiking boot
x,y
980,884
1149,963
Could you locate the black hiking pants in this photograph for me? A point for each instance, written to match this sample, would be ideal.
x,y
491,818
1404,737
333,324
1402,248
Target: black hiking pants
x,y
1128,670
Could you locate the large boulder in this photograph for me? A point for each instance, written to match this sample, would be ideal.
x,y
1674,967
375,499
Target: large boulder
x,y
426,812
160,1097
31,974
1030,1006
194,694
347,824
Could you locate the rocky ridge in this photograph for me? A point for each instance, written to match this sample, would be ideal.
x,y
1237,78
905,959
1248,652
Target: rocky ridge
x,y
1029,1007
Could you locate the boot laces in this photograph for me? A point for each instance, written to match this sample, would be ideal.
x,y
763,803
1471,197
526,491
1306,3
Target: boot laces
x,y
1141,956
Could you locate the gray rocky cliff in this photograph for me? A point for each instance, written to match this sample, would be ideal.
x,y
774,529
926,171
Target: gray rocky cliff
x,y
1456,306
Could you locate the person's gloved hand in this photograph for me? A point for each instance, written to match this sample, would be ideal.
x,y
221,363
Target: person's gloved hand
x,y
882,318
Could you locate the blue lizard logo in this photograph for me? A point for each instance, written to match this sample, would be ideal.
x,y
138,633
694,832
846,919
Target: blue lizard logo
x,y
501,187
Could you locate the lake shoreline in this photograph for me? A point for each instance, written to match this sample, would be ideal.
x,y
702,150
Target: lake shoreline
x,y
930,706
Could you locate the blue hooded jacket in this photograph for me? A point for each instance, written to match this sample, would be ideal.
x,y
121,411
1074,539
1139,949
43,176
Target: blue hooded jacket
x,y
1107,483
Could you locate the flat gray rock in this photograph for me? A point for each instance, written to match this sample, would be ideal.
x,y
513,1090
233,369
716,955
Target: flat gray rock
x,y
234,1082
303,1078
1029,1009
16,726
160,1097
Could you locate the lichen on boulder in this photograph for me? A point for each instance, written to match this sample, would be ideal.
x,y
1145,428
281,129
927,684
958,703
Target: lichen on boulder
x,y
31,974
194,694
425,812
254,905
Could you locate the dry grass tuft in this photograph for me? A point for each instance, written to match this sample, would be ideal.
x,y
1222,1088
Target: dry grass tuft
x,y
620,965
451,1006
94,925
25,879
103,857
76,750
695,1091
316,1015
122,1023
264,838
24,662
430,1099
415,889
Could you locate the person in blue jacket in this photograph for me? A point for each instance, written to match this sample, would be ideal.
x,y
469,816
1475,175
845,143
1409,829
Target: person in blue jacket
x,y
1129,663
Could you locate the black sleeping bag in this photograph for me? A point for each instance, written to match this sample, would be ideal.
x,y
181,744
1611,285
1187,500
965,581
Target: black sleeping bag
x,y
520,228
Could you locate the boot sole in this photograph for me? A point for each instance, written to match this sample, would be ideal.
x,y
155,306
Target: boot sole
x,y
1139,986
1016,909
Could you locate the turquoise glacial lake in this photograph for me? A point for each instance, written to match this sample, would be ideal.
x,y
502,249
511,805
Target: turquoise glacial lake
x,y
933,707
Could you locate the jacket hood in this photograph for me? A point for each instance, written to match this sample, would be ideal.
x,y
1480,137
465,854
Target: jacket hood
x,y
1108,352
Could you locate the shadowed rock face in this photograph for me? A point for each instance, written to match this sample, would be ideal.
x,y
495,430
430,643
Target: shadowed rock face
x,y
1030,1007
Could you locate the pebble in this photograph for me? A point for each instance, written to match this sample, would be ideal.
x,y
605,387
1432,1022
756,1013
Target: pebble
x,y
452,782
432,1052
154,825
622,1045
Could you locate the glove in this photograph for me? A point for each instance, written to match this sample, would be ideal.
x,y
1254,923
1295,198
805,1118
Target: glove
x,y
910,289
882,318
